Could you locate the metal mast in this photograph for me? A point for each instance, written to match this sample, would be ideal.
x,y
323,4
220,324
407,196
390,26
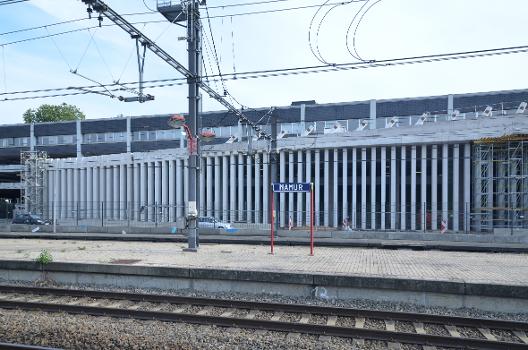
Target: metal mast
x,y
194,51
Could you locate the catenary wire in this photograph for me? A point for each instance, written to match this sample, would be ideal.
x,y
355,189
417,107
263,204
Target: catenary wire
x,y
350,27
319,69
357,27
153,22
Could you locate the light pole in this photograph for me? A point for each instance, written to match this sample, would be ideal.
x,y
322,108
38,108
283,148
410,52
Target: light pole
x,y
178,121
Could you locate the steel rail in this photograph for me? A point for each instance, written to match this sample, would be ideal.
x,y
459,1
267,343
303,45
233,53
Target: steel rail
x,y
264,306
11,346
313,329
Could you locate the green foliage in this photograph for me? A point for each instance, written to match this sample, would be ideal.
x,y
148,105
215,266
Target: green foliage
x,y
44,258
53,113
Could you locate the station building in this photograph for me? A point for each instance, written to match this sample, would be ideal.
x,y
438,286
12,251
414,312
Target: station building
x,y
456,162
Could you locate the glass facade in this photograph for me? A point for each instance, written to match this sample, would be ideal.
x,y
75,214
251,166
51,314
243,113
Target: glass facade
x,y
56,140
14,142
105,137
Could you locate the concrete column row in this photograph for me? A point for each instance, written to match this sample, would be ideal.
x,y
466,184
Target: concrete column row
x,y
377,188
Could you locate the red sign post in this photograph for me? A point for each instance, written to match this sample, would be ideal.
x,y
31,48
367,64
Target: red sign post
x,y
282,187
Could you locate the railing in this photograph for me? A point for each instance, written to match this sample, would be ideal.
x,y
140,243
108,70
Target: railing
x,y
413,218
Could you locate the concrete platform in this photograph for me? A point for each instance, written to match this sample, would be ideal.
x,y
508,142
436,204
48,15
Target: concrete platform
x,y
403,241
493,282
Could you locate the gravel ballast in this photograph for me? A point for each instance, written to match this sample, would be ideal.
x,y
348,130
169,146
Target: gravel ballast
x,y
87,332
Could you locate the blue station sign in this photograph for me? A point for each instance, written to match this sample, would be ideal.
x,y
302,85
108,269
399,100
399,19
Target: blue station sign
x,y
286,187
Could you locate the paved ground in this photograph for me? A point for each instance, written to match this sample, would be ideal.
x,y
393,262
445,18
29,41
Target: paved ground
x,y
430,265
414,244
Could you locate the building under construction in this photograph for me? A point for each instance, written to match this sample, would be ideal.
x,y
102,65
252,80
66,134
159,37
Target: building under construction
x,y
452,163
501,182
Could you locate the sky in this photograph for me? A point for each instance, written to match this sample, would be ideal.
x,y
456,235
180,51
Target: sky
x,y
249,42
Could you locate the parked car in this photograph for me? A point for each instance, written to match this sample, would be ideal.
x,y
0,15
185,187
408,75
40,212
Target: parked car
x,y
29,219
209,222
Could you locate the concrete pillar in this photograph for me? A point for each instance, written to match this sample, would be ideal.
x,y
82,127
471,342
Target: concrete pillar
x,y
78,138
249,189
232,189
282,197
373,176
63,190
344,201
70,191
393,173
445,182
354,188
335,186
450,104
258,188
467,186
32,138
83,187
123,192
291,164
403,189
456,188
363,188
423,188
317,187
96,188
434,187
309,179
172,190
151,185
372,124
218,187
143,203
326,189
115,197
179,188
209,198
89,192
157,191
109,192
164,191
128,135
225,188
129,185
383,187
202,199
137,191
240,187
265,187
303,116
76,189
300,179
413,187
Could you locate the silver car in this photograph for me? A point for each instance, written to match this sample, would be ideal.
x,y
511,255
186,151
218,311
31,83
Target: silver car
x,y
209,222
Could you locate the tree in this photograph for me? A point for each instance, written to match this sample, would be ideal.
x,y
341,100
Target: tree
x,y
53,113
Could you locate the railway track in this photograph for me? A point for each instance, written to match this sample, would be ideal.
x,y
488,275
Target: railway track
x,y
394,328
13,346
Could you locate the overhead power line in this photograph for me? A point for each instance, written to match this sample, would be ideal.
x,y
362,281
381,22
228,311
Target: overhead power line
x,y
290,71
141,22
10,2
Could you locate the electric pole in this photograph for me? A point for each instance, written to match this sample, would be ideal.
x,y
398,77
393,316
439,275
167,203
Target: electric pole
x,y
194,52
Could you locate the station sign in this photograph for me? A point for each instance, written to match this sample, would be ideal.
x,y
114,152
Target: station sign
x,y
287,187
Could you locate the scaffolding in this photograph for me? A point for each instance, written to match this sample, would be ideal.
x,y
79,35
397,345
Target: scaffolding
x,y
33,180
500,186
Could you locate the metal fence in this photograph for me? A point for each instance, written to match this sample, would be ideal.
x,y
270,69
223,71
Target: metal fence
x,y
414,218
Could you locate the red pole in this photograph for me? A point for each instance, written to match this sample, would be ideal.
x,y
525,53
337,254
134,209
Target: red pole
x,y
311,220
272,220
